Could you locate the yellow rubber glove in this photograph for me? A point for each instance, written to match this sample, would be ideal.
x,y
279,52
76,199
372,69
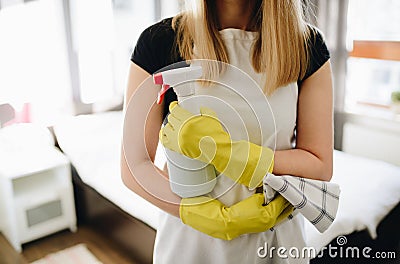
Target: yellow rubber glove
x,y
202,137
211,217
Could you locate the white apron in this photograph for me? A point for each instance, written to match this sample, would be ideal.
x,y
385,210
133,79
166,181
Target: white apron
x,y
179,243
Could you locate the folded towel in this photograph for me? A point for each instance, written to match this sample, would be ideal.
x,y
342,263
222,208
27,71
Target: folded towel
x,y
317,201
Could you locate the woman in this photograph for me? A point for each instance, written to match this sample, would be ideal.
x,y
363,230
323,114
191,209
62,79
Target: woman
x,y
267,38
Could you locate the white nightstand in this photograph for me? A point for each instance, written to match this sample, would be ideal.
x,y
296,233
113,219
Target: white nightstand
x,y
36,194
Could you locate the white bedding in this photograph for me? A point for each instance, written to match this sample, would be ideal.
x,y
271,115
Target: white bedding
x,y
369,188
92,143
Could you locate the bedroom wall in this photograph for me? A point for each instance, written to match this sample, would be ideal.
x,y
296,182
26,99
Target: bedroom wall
x,y
371,137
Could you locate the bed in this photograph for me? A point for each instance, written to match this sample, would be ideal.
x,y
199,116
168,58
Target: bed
x,y
368,215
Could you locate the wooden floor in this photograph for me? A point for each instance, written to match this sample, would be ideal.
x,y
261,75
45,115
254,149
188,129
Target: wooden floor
x,y
96,243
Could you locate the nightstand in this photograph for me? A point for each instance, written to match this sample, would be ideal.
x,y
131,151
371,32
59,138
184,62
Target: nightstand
x,y
36,194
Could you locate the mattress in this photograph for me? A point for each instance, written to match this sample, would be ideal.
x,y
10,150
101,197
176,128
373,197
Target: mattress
x,y
93,145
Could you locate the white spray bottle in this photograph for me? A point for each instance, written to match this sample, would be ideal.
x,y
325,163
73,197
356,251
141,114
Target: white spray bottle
x,y
188,177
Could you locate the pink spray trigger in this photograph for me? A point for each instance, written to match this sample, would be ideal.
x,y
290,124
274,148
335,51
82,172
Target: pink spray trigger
x,y
162,92
158,79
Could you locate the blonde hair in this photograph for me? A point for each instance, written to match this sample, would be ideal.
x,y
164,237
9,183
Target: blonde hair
x,y
280,48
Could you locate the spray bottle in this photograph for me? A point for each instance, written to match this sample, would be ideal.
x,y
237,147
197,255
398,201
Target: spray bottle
x,y
188,177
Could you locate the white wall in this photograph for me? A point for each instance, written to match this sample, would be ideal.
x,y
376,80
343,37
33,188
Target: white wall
x,y
372,141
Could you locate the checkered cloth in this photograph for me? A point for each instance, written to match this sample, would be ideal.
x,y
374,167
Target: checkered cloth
x,y
316,200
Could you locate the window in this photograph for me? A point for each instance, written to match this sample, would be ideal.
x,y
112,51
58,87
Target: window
x,y
105,34
59,55
373,66
130,18
34,60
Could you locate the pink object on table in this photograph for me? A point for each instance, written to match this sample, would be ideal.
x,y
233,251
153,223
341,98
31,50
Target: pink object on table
x,y
23,116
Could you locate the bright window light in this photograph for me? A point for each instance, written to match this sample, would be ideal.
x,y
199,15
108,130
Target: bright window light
x,y
34,64
373,72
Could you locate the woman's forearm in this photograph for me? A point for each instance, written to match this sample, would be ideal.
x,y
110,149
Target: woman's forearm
x,y
313,155
302,163
142,122
150,183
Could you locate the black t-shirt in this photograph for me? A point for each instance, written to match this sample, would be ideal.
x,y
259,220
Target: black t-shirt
x,y
156,49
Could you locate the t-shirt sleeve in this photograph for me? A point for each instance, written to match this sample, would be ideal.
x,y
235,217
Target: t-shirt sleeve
x,y
318,52
142,54
155,47
155,50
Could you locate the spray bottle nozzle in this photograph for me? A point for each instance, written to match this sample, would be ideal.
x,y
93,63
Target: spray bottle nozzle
x,y
174,77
